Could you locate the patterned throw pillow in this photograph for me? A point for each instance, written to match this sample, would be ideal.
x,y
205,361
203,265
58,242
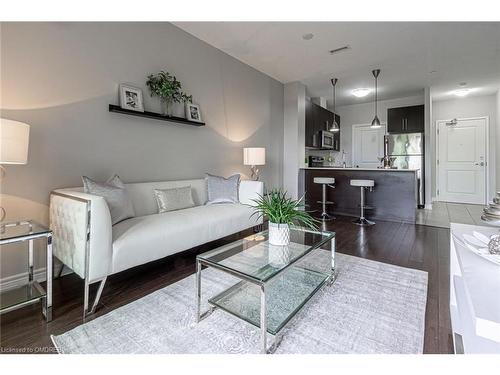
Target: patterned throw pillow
x,y
222,190
115,194
174,199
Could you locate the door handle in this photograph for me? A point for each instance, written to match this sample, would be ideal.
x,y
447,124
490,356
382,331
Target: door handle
x,y
481,164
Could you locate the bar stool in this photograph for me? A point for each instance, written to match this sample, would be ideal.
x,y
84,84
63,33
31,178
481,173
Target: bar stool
x,y
330,182
363,184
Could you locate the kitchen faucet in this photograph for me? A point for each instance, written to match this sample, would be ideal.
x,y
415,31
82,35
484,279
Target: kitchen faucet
x,y
343,159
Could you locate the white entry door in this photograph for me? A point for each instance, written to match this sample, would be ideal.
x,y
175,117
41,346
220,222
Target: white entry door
x,y
461,163
367,146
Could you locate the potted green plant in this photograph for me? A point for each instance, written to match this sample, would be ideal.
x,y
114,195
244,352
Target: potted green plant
x,y
282,211
168,89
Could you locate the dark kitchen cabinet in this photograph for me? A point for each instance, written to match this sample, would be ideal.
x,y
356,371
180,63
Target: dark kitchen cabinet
x,y
309,124
405,119
318,119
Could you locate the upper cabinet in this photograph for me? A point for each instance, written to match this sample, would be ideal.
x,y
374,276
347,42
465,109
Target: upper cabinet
x,y
318,119
309,124
405,119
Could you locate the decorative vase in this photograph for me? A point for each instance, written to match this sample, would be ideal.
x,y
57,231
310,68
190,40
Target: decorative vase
x,y
279,234
178,110
167,107
279,255
494,245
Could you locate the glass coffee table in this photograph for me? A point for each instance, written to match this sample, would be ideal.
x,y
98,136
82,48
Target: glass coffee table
x,y
275,281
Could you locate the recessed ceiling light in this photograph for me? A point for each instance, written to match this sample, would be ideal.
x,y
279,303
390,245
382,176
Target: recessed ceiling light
x,y
340,49
308,36
461,92
361,92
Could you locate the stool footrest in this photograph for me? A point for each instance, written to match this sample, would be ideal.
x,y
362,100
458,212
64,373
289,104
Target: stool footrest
x,y
327,202
367,207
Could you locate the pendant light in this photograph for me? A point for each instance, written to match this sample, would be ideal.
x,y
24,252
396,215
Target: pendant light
x,y
376,121
335,127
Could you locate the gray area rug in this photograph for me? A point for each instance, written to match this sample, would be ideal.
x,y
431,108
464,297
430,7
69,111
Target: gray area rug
x,y
371,308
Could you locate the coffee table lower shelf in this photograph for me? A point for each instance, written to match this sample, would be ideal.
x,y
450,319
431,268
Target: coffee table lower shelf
x,y
285,296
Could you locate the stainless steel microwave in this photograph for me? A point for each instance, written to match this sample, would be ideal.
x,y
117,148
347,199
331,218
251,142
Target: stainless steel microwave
x,y
325,139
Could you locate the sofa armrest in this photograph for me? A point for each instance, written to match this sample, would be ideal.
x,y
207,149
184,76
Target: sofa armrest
x,y
81,225
250,190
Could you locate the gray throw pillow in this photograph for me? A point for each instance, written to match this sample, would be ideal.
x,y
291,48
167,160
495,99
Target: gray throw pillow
x,y
174,199
115,194
222,190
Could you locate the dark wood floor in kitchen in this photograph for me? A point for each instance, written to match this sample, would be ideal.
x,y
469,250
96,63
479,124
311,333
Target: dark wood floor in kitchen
x,y
414,246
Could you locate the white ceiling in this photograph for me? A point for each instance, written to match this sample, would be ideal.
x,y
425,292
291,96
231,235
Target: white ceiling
x,y
406,53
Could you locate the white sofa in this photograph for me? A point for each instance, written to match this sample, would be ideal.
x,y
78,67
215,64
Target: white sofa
x,y
474,292
85,241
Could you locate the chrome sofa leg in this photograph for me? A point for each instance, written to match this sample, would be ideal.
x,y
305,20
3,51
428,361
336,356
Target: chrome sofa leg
x,y
60,271
258,228
86,297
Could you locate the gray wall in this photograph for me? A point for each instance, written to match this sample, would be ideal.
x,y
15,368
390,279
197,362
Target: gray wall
x,y
363,114
498,142
475,106
60,78
294,135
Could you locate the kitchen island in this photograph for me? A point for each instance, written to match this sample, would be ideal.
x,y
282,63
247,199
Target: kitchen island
x,y
394,197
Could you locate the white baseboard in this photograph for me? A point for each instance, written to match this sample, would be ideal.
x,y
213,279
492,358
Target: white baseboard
x,y
20,279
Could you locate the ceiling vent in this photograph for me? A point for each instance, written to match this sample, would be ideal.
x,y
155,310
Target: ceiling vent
x,y
338,50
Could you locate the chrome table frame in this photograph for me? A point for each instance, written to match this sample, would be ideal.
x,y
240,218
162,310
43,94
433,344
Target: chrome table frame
x,y
262,286
47,293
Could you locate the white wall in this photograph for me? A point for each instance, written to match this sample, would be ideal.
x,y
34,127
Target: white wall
x,y
428,151
474,106
363,114
60,79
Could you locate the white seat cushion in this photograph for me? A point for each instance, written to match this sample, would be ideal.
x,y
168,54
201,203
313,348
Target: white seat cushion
x,y
365,183
143,239
324,180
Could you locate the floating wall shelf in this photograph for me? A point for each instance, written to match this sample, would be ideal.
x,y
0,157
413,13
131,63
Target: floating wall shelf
x,y
154,116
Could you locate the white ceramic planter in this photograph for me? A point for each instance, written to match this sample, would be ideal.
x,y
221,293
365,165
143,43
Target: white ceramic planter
x,y
279,234
279,255
178,110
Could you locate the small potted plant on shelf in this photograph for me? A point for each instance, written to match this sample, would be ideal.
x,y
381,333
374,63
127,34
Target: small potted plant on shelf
x,y
168,89
282,211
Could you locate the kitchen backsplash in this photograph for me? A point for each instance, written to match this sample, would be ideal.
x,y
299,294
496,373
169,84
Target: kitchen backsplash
x,y
335,156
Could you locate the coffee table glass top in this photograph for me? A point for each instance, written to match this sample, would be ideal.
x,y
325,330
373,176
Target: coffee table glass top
x,y
254,259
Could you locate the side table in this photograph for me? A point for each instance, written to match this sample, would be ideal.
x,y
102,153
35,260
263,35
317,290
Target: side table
x,y
32,292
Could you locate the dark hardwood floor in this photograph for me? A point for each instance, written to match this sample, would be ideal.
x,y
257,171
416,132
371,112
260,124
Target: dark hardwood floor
x,y
420,247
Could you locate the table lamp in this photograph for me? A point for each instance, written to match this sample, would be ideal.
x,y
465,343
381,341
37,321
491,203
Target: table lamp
x,y
14,140
254,156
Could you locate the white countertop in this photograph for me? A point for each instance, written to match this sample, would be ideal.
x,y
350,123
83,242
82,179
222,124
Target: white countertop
x,y
363,169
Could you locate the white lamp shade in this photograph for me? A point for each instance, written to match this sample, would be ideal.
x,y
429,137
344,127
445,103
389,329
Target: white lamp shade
x,y
14,140
254,156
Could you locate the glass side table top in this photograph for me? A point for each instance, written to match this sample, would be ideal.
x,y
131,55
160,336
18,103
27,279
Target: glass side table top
x,y
255,259
19,229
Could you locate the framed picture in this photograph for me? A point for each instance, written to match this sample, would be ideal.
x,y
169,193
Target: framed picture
x,y
193,112
131,98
